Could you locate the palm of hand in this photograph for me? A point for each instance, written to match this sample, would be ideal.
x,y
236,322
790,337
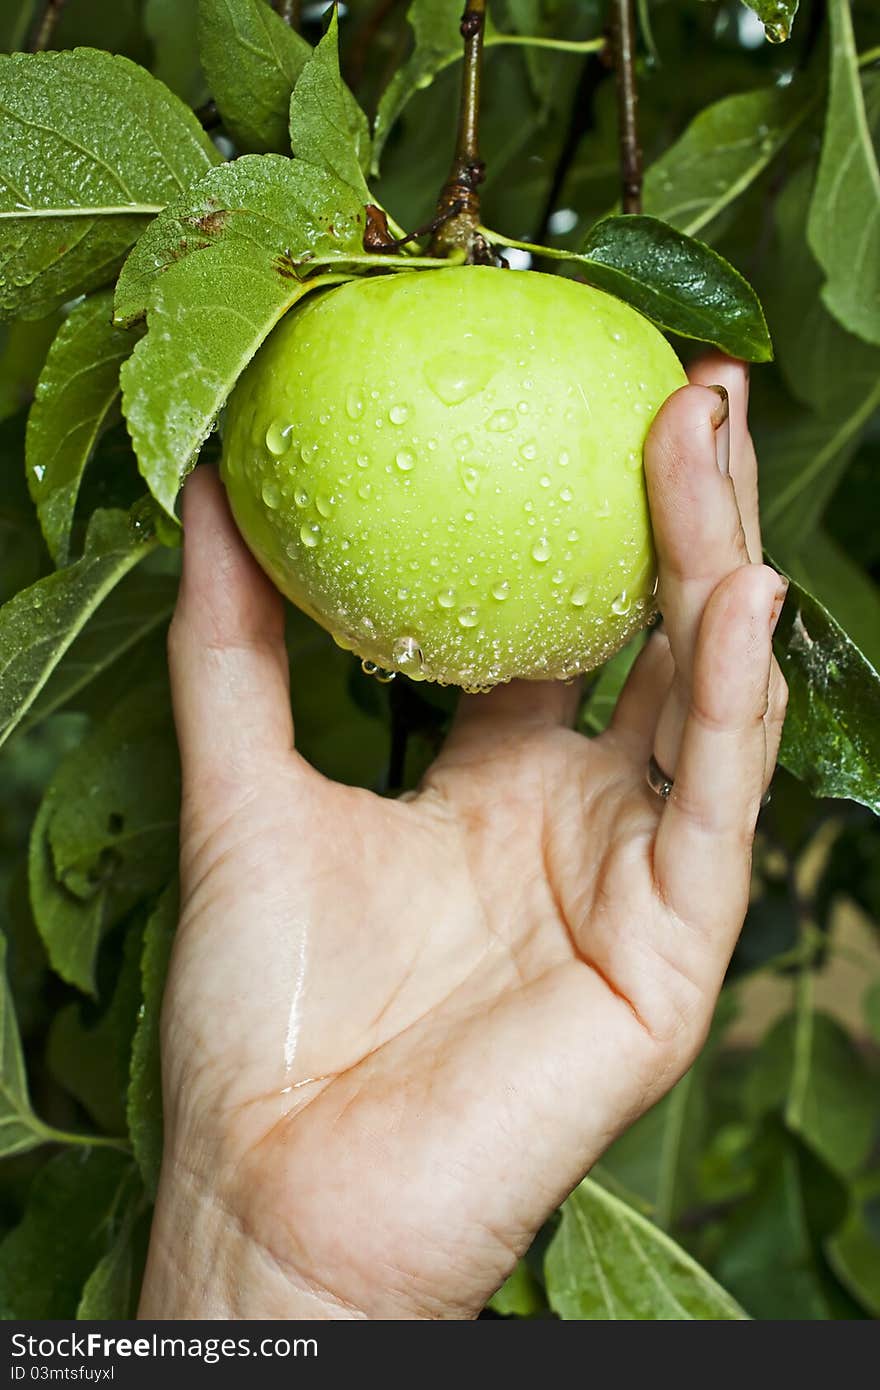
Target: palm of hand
x,y
398,1032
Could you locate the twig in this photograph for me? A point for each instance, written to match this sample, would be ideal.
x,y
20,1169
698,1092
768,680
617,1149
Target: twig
x,y
623,33
45,28
290,11
459,231
363,40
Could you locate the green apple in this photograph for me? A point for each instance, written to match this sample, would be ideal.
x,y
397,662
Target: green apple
x,y
444,468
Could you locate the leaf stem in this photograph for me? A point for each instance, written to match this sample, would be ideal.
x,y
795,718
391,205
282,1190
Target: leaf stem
x,y
86,1141
871,55
458,207
623,34
553,253
557,45
387,262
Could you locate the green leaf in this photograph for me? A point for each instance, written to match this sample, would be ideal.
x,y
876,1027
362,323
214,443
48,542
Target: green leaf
x,y
70,1222
808,1068
854,1251
105,836
92,1062
724,149
767,1255
819,565
844,223
680,284
20,1129
520,1296
40,624
77,393
145,1086
109,1292
438,42
23,348
777,17
91,147
600,705
657,1158
172,25
608,1262
255,224
139,605
831,738
252,60
327,127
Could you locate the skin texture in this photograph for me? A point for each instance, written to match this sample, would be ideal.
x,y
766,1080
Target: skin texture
x,y
445,469
396,1033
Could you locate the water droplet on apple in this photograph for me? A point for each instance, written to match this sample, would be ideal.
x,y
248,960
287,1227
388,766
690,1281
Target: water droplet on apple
x,y
310,534
270,494
364,491
544,480
463,443
541,550
301,497
566,494
405,460
501,421
446,598
398,414
370,668
580,595
564,459
558,578
470,476
529,451
325,502
469,617
622,603
470,516
454,379
354,403
407,655
604,509
501,590
278,438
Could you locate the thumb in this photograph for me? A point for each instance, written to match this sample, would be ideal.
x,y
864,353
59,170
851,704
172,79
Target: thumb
x,y
227,658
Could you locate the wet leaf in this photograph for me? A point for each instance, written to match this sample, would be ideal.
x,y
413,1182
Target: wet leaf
x,y
145,1086
844,224
257,225
251,60
831,738
77,398
520,1296
109,1293
327,127
41,623
724,149
680,284
91,147
777,17
608,1262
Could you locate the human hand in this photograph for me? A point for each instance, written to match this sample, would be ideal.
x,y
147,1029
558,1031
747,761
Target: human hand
x,y
397,1032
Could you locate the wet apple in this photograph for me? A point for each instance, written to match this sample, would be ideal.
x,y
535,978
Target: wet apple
x,y
444,468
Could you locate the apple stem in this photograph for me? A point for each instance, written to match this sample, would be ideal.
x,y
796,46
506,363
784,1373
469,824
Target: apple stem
x,y
458,207
623,31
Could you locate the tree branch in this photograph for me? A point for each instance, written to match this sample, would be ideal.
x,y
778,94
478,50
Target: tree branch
x,y
42,35
290,11
623,33
458,206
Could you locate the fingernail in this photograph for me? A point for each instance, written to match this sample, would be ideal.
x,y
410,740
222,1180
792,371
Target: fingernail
x,y
778,603
720,418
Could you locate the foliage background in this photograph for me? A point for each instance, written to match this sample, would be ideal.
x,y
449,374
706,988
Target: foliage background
x,y
759,1175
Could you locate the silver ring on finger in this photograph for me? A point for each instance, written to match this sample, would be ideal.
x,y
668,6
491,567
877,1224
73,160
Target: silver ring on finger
x,y
662,784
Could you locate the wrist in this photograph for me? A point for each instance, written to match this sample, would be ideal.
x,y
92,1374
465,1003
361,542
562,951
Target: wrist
x,y
204,1264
